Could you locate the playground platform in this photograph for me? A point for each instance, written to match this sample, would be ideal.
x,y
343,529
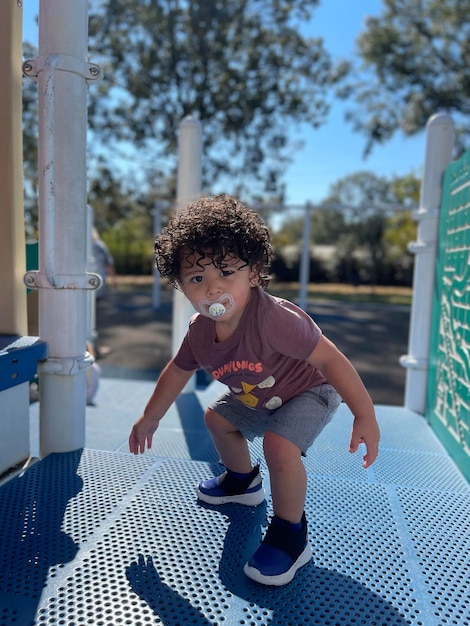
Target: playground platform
x,y
101,537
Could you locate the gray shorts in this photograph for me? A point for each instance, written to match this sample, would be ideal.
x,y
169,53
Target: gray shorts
x,y
300,420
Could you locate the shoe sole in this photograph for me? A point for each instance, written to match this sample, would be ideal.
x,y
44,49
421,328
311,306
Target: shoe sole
x,y
279,579
248,499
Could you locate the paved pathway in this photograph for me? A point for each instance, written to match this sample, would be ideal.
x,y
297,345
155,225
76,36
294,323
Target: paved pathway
x,y
136,339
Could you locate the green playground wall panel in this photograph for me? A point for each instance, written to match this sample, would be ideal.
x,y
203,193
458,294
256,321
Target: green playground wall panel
x,y
448,398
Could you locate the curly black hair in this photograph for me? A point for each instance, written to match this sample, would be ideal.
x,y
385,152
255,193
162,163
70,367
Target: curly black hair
x,y
214,227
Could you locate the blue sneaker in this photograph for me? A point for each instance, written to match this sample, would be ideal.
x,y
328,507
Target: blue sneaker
x,y
227,488
282,552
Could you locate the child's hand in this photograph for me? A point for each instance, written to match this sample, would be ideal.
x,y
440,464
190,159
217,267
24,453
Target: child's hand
x,y
142,434
366,431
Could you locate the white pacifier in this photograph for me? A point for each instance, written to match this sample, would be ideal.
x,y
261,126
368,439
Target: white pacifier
x,y
222,305
216,309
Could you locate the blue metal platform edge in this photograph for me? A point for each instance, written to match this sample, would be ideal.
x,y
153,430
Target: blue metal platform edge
x,y
101,537
19,357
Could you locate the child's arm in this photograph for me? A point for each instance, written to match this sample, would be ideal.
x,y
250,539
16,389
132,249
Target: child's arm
x,y
340,373
169,385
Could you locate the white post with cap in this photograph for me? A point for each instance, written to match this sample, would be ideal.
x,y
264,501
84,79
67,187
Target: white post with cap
x,y
188,190
440,136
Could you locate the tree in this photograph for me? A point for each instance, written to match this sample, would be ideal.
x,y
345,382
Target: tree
x,y
360,191
243,68
361,194
112,196
359,233
111,202
327,224
401,228
415,62
406,190
369,202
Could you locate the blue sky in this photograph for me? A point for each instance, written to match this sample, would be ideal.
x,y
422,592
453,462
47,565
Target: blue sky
x,y
332,151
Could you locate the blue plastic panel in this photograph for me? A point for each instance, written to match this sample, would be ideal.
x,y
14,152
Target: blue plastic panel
x,y
19,358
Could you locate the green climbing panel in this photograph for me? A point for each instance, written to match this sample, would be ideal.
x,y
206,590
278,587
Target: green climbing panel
x,y
448,401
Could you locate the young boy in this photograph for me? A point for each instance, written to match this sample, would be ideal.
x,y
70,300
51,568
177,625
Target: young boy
x,y
283,376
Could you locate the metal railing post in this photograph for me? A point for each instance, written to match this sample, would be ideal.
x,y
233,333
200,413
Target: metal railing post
x,y
188,190
440,135
62,73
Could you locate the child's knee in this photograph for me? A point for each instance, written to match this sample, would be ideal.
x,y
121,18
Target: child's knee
x,y
278,451
214,421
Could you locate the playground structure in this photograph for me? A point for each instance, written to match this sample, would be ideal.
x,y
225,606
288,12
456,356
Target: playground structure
x,y
448,388
93,535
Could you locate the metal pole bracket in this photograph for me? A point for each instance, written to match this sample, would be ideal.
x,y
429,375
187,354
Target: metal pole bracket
x,y
66,366
64,63
38,280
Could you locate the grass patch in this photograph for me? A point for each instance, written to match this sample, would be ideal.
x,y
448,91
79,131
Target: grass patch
x,y
290,291
345,293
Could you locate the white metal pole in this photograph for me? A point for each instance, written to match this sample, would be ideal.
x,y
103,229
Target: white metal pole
x,y
440,137
62,72
305,258
188,190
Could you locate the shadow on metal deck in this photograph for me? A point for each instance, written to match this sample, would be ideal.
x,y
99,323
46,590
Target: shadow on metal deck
x,y
101,537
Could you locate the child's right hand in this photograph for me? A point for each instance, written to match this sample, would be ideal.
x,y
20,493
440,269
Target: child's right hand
x,y
366,431
170,383
142,434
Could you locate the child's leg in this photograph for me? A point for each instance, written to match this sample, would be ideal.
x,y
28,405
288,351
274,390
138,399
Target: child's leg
x,y
240,483
285,547
288,477
229,442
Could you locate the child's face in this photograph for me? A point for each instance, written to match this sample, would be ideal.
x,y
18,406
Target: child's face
x,y
220,294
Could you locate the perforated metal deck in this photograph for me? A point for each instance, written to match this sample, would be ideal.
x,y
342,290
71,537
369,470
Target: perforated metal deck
x,y
105,538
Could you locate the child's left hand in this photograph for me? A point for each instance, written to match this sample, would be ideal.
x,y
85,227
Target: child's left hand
x,y
365,431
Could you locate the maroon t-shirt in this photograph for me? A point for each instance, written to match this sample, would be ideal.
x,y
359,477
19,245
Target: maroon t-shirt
x,y
264,361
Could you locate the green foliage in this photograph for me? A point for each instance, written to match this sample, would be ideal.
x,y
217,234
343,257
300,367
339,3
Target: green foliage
x,y
415,63
131,245
360,191
365,222
375,220
399,231
30,147
405,190
113,202
327,225
243,68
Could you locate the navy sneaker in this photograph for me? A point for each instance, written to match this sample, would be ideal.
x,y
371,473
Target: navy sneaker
x,y
228,488
282,552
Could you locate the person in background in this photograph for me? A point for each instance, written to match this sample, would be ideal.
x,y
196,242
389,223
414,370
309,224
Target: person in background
x,y
103,263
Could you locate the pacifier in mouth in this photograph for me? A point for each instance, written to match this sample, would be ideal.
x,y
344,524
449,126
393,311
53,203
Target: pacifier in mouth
x,y
222,305
216,309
